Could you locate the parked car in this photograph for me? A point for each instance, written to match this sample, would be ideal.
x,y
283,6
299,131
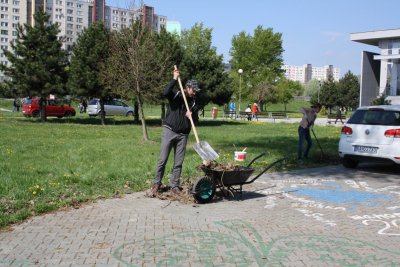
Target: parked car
x,y
111,107
54,108
371,134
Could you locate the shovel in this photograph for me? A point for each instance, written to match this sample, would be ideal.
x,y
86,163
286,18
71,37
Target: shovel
x,y
202,148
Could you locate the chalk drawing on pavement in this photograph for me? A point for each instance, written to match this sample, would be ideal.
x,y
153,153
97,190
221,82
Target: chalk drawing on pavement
x,y
321,199
239,243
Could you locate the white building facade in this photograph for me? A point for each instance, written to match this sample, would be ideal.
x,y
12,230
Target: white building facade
x,y
380,73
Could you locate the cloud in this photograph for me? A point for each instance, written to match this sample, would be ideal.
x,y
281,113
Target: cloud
x,y
331,37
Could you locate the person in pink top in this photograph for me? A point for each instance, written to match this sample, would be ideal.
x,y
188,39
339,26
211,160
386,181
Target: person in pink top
x,y
309,117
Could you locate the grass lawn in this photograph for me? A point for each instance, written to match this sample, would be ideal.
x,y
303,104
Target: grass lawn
x,y
64,162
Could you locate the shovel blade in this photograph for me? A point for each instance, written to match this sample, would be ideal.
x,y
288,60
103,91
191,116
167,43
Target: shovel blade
x,y
205,151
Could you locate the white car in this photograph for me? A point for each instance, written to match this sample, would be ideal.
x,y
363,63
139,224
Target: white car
x,y
371,134
111,107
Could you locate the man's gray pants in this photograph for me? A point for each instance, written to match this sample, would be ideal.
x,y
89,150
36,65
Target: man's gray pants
x,y
170,140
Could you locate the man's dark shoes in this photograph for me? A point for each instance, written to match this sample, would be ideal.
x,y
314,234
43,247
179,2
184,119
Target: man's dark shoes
x,y
176,191
154,190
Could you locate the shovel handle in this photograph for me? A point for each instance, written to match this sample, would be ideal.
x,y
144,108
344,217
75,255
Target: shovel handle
x,y
187,107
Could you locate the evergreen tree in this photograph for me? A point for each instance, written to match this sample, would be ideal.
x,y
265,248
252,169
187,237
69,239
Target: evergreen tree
x,y
38,63
349,91
201,62
88,56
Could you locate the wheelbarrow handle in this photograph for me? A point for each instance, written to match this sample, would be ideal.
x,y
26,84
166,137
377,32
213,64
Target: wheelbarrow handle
x,y
265,169
259,156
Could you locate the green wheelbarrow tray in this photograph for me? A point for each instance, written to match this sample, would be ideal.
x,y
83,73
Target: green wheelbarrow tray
x,y
227,181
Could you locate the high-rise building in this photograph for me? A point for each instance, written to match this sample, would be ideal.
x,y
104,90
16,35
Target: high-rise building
x,y
72,17
307,73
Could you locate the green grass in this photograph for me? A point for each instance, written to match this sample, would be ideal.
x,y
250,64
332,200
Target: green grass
x,y
46,166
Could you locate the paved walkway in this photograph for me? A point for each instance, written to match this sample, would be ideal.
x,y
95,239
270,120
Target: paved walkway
x,y
327,216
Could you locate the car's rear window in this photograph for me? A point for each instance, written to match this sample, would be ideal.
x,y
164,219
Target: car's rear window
x,y
376,117
93,102
28,101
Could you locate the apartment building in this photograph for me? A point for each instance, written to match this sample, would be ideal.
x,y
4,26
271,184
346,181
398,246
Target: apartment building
x,y
307,72
72,17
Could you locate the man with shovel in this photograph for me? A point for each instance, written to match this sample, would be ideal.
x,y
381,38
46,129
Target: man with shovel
x,y
309,117
175,131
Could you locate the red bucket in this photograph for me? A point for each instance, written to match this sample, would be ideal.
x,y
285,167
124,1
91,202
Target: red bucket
x,y
240,155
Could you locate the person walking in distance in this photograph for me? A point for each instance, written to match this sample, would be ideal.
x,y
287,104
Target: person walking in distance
x,y
175,132
309,117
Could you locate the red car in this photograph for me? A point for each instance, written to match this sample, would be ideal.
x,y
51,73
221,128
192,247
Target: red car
x,y
31,108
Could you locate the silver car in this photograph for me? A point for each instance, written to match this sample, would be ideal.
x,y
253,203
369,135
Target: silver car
x,y
111,107
371,134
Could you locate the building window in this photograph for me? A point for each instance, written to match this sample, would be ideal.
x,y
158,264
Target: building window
x,y
16,2
3,39
15,17
4,1
4,16
4,47
4,24
4,32
16,10
80,20
4,8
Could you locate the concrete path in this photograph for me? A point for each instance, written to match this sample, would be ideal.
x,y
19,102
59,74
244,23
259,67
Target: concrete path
x,y
327,216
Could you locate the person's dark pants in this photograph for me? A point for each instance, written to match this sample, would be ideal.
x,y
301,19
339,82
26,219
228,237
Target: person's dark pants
x,y
304,134
170,140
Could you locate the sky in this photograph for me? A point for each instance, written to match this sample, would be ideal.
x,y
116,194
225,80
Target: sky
x,y
314,32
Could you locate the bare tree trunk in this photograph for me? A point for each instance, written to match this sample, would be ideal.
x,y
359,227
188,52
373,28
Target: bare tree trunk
x,y
136,113
42,107
162,112
144,128
102,112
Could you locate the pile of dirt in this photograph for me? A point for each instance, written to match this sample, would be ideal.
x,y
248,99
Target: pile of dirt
x,y
215,166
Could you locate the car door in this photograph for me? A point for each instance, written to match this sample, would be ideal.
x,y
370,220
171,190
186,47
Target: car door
x,y
52,109
119,108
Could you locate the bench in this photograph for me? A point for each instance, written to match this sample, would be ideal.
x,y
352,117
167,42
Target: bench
x,y
230,114
333,118
278,115
244,114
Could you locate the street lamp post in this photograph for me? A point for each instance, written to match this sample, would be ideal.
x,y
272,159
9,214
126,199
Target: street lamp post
x,y
240,71
319,87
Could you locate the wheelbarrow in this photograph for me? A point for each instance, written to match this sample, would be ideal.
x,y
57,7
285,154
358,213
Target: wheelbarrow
x,y
227,181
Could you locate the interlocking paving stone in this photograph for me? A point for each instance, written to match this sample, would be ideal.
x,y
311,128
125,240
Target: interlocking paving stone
x,y
327,216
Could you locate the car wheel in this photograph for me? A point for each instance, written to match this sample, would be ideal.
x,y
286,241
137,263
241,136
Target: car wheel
x,y
350,163
36,114
129,113
68,114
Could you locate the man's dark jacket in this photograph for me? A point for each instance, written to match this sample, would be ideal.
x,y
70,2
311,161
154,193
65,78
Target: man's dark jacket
x,y
175,118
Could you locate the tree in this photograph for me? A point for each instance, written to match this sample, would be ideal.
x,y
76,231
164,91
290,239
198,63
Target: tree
x,y
136,66
201,62
328,94
312,87
349,91
260,57
89,54
381,100
38,63
170,44
286,90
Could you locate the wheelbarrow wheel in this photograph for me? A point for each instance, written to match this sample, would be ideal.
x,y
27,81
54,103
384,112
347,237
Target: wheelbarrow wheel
x,y
204,189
